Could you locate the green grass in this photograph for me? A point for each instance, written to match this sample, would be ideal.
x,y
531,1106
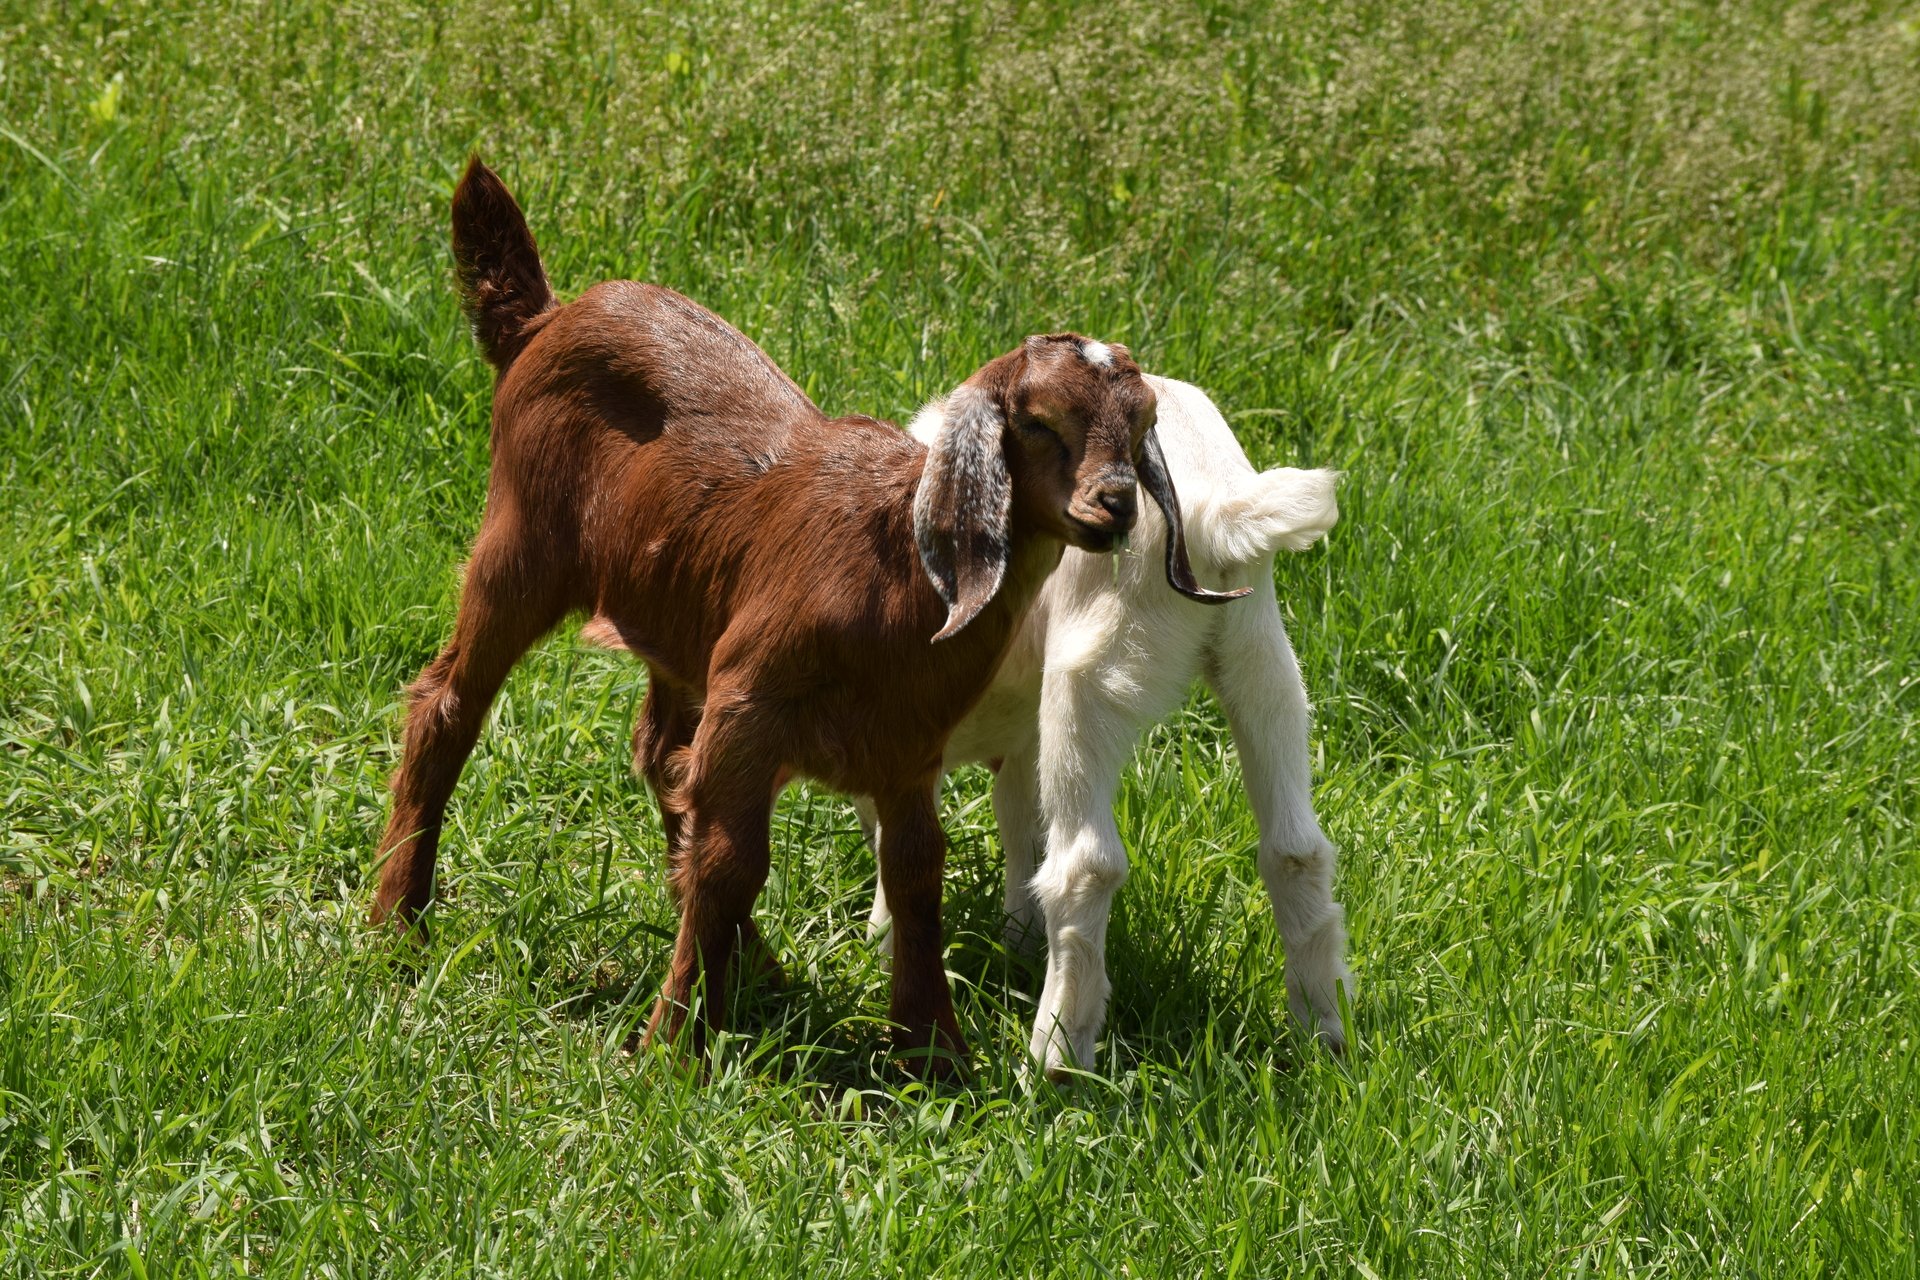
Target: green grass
x,y
1613,318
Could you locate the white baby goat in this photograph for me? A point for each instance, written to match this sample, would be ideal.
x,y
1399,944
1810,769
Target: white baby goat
x,y
1101,657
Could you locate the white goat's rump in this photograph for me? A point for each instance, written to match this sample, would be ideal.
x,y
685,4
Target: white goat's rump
x,y
1104,653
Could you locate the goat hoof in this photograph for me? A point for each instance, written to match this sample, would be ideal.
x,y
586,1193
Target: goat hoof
x,y
1064,1070
671,1025
407,935
939,1066
1064,1056
933,1053
759,964
1321,1019
766,970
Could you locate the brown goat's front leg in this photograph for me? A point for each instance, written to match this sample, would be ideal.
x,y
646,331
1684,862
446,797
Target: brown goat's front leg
x,y
725,801
718,877
664,729
912,857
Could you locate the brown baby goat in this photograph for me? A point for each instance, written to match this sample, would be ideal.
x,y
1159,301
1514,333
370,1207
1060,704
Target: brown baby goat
x,y
652,465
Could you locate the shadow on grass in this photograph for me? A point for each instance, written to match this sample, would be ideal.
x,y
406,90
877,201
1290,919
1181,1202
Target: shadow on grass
x,y
1178,996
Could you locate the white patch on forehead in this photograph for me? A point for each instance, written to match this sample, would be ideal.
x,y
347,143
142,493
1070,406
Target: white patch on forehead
x,y
1097,353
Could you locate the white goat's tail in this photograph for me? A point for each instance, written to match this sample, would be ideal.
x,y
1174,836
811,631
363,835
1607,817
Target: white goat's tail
x,y
1285,509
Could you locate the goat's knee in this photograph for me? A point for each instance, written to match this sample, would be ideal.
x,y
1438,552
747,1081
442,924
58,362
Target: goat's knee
x,y
438,734
1299,879
1081,877
717,878
1075,888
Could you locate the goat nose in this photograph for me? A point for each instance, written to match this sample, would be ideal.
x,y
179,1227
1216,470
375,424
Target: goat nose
x,y
1121,504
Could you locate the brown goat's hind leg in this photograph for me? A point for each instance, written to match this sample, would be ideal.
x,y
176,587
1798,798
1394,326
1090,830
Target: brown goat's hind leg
x,y
665,725
912,857
501,613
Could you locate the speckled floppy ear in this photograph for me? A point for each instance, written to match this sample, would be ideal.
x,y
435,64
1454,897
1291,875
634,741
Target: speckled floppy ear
x,y
962,508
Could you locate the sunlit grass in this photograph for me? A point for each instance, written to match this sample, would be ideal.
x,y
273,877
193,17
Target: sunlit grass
x,y
1609,315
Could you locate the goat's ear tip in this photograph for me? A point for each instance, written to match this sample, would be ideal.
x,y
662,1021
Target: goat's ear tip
x,y
957,619
1204,596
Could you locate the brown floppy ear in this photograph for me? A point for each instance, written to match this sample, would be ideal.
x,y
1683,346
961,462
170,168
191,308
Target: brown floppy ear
x,y
962,508
1152,470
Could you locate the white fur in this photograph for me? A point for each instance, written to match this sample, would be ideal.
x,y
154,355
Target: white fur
x,y
1102,657
1097,353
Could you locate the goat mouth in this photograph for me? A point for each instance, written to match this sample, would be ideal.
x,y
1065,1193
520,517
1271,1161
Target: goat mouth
x,y
1093,537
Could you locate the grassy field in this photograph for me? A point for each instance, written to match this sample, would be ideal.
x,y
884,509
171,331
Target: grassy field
x,y
1610,313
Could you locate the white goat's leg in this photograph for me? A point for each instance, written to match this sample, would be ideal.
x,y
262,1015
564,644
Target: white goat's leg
x,y
1084,742
1253,671
880,919
1016,810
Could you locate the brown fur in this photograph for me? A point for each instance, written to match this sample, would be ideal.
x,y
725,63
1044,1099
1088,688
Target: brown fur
x,y
652,466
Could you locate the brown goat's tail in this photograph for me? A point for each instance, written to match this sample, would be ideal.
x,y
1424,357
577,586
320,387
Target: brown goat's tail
x,y
502,284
